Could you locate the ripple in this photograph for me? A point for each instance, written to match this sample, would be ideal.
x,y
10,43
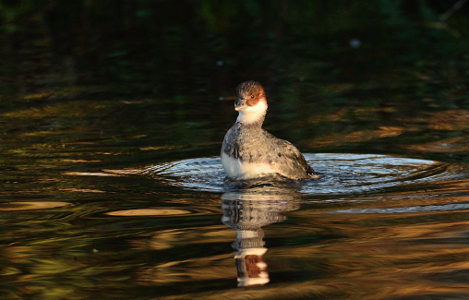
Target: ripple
x,y
339,173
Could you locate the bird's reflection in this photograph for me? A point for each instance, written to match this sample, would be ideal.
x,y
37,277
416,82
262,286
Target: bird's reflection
x,y
247,209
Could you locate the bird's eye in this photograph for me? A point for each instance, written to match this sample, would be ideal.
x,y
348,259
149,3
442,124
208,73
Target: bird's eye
x,y
252,96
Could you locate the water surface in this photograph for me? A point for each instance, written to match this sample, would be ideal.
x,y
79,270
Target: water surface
x,y
111,122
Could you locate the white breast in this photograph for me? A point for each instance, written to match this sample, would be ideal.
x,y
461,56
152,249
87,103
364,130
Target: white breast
x,y
235,168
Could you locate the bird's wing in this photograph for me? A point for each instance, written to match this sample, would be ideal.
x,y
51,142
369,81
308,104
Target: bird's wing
x,y
289,157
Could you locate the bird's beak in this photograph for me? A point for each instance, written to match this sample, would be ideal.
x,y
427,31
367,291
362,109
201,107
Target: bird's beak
x,y
239,104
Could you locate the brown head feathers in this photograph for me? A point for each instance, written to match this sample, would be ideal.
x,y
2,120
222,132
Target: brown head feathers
x,y
251,91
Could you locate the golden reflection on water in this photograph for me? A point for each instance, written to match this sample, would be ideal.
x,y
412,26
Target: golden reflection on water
x,y
81,190
159,148
101,174
212,267
447,145
356,136
448,120
31,205
195,268
148,212
453,120
76,161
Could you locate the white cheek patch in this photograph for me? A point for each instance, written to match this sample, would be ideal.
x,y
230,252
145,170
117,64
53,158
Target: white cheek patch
x,y
251,114
235,168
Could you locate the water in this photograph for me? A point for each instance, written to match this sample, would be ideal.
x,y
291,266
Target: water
x,y
340,174
111,122
336,234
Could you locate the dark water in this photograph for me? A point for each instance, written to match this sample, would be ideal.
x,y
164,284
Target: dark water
x,y
111,120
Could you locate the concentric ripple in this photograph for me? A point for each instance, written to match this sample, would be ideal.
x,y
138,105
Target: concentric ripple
x,y
340,173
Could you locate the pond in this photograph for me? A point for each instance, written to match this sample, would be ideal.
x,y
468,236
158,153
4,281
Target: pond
x,y
112,120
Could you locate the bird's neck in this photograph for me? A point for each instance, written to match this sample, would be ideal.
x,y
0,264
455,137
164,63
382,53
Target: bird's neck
x,y
253,116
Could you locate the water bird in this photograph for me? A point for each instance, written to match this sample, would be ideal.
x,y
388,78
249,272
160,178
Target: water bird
x,y
249,151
